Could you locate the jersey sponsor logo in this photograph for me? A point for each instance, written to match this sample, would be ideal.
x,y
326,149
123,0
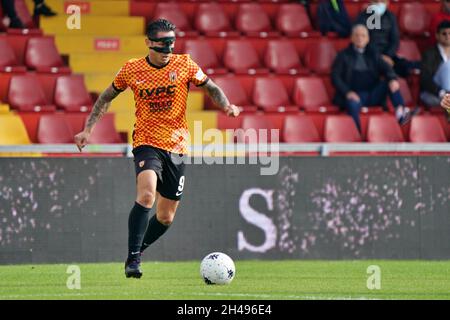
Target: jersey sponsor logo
x,y
157,91
173,76
160,106
141,163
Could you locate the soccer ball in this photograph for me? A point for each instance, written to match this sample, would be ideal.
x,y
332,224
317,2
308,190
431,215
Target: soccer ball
x,y
217,268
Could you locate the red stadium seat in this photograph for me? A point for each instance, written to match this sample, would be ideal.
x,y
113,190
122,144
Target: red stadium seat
x,y
426,128
5,78
18,39
105,131
54,128
319,56
41,54
71,94
406,93
212,20
408,49
271,95
173,12
256,129
341,128
26,94
299,129
292,20
384,128
203,53
235,93
2,25
231,1
282,58
225,122
256,122
48,83
252,20
311,95
241,57
353,9
8,59
445,124
414,19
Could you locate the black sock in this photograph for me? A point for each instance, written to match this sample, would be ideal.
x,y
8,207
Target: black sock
x,y
137,224
155,230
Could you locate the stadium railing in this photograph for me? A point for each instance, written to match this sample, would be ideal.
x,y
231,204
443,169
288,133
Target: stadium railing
x,y
238,149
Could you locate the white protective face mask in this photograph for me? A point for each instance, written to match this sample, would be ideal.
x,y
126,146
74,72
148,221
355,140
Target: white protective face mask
x,y
379,8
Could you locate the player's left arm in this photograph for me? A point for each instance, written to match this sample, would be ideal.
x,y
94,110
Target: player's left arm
x,y
219,98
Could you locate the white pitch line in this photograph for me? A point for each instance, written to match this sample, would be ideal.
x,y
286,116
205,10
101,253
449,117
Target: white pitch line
x,y
203,294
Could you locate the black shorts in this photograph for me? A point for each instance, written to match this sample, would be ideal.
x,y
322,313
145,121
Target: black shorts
x,y
169,168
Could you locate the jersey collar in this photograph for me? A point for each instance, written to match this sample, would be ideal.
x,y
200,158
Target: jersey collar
x,y
155,66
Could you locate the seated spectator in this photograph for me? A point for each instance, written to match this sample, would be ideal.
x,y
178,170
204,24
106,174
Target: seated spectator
x,y
438,17
9,10
362,78
333,17
385,37
435,73
40,8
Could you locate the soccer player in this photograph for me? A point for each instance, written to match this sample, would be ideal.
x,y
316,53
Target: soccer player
x,y
160,83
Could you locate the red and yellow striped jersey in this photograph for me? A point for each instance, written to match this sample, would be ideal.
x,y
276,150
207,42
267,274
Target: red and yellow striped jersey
x,y
160,95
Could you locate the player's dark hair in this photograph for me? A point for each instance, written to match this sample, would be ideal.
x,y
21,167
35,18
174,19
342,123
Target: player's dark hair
x,y
160,25
443,25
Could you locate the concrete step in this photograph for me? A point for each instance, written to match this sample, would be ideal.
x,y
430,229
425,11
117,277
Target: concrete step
x,y
95,25
88,7
70,44
104,62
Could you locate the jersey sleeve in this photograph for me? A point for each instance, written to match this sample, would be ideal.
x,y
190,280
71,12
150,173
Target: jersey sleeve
x,y
120,82
196,74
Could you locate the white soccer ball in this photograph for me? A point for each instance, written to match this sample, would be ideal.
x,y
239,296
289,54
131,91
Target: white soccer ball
x,y
217,268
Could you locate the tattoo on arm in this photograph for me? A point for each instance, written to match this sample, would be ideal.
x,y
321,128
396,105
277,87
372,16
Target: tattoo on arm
x,y
101,106
216,94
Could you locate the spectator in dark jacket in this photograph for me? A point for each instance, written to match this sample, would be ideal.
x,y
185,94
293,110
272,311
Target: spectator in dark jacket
x,y
385,35
333,17
40,8
362,78
438,17
435,73
10,11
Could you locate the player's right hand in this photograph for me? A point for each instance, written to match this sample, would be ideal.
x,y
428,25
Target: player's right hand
x,y
232,110
445,102
81,140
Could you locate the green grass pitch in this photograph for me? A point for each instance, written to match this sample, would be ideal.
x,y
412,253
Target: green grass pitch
x,y
260,280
